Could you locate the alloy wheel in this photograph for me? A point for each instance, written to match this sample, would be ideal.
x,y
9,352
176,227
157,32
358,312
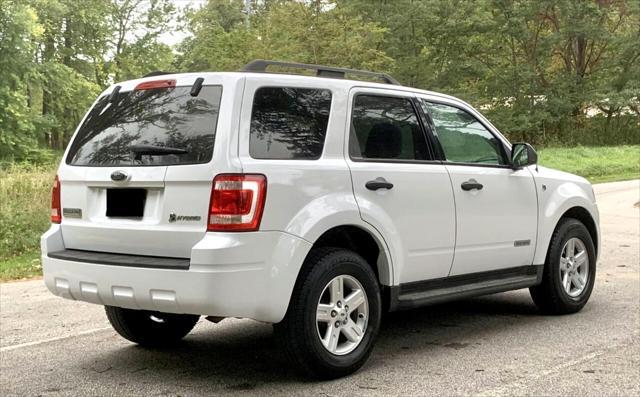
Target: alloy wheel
x,y
574,267
342,315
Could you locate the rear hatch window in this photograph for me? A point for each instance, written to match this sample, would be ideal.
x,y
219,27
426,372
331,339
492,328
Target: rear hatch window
x,y
151,127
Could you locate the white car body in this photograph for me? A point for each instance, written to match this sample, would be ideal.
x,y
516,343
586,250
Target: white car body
x,y
426,228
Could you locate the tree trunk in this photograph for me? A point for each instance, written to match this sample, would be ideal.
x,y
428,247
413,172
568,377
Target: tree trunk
x,y
48,56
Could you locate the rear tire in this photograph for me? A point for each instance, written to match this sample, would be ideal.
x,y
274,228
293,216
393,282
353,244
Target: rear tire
x,y
320,333
569,270
150,329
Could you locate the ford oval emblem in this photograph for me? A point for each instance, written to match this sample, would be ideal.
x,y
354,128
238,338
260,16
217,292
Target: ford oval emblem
x,y
118,176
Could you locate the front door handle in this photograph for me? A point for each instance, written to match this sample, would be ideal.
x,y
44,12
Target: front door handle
x,y
471,184
378,183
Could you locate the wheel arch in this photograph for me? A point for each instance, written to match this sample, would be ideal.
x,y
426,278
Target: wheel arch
x,y
563,195
364,242
581,214
581,210
334,220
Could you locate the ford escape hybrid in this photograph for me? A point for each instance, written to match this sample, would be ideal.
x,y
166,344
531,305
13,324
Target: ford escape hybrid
x,y
311,202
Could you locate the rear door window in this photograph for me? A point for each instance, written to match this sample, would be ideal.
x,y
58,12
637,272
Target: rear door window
x,y
289,123
137,125
386,128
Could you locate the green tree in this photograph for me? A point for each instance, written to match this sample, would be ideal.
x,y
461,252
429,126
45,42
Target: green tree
x,y
315,32
537,68
136,26
546,71
58,54
19,30
63,79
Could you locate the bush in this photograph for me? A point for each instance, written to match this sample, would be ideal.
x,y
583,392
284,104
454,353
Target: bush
x,y
592,131
25,199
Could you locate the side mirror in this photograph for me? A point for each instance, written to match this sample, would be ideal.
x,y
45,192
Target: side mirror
x,y
523,155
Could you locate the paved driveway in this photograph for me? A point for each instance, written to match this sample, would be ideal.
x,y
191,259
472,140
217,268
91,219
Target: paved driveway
x,y
494,345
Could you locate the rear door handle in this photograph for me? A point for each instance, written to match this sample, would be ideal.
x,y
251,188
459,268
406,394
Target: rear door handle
x,y
471,184
379,183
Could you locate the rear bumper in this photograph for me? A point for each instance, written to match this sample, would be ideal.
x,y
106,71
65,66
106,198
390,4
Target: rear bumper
x,y
230,275
105,258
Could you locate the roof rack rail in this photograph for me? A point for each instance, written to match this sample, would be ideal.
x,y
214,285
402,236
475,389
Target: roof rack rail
x,y
261,65
157,73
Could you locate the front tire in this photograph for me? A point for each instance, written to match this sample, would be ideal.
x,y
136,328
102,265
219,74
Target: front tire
x,y
334,314
150,329
569,270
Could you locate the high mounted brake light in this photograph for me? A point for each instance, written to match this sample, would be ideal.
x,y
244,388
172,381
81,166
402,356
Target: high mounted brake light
x,y
149,85
56,210
237,202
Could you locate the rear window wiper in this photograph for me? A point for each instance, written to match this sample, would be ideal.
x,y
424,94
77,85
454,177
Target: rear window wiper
x,y
153,150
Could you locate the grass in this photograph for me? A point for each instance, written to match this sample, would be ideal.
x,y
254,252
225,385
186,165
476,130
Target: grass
x,y
23,266
25,198
597,164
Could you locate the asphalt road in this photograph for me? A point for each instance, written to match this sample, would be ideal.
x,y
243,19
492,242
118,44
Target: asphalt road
x,y
494,345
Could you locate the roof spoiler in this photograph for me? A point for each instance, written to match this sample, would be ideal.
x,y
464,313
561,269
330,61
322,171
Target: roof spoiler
x,y
157,73
261,65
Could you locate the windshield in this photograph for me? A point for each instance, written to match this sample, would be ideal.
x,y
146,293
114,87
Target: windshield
x,y
171,126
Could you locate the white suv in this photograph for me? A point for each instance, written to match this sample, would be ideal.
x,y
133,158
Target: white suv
x,y
312,202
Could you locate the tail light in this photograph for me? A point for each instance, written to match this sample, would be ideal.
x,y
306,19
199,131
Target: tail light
x,y
56,210
237,202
